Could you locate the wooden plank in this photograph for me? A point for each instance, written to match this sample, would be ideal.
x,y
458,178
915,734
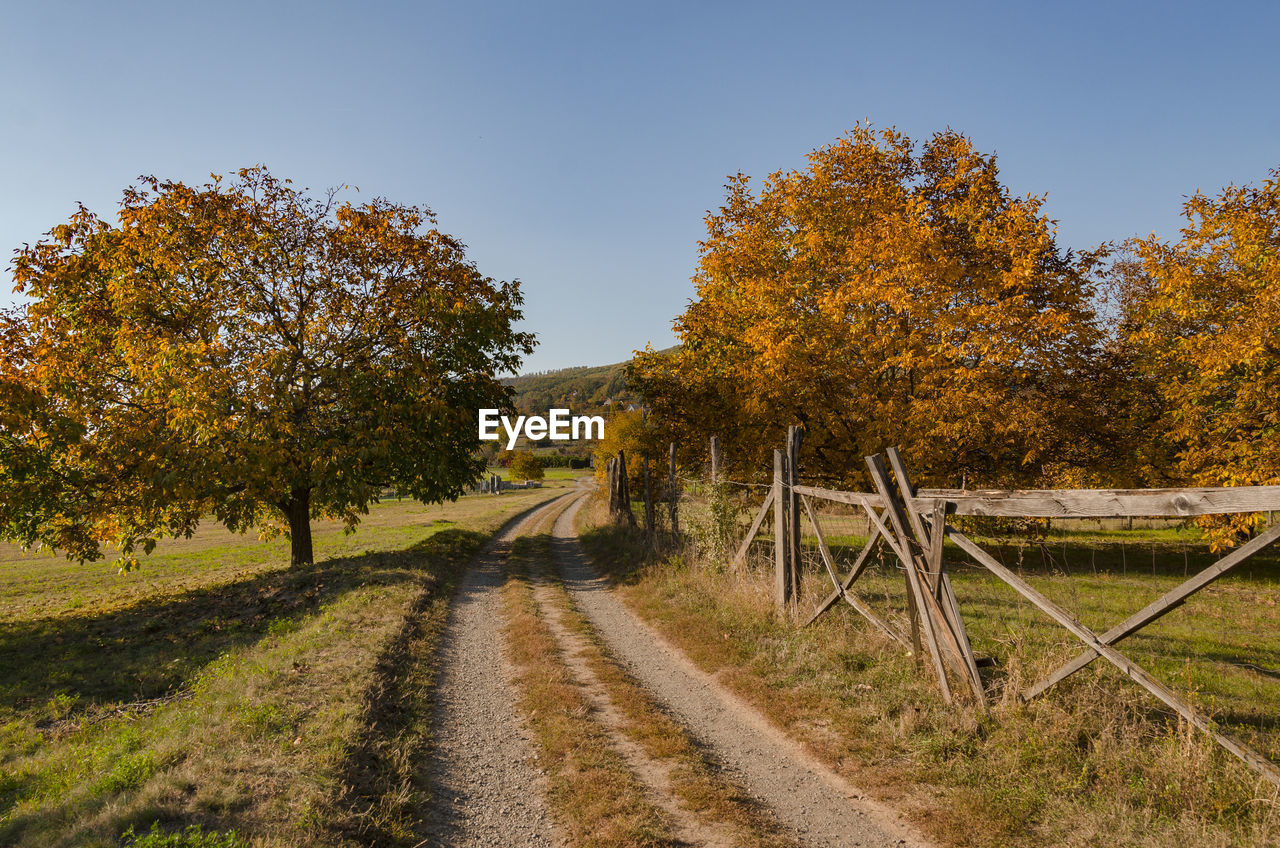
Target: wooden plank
x,y
942,628
908,493
1135,672
939,602
897,514
854,498
624,488
864,557
948,598
1078,503
794,436
843,592
937,523
877,521
919,595
1104,503
741,556
612,480
1167,602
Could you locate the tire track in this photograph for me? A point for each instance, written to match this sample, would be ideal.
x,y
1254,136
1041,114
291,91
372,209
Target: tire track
x,y
815,805
485,788
653,774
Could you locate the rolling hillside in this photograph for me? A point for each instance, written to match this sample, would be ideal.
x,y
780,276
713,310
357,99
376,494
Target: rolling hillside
x,y
586,390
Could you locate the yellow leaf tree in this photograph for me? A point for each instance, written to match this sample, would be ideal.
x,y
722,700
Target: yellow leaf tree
x,y
1203,317
244,350
631,431
525,465
888,293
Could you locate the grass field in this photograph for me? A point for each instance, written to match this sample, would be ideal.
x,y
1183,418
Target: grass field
x,y
1097,761
220,688
549,474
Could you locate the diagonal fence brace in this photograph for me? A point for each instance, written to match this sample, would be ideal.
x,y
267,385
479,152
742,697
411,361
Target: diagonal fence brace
x,y
1135,672
842,591
1168,602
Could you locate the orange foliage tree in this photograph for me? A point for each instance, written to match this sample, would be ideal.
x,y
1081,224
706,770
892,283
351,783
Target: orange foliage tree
x,y
246,351
886,294
632,431
1202,316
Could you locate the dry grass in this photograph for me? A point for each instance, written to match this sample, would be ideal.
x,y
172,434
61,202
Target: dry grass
x,y
694,779
287,704
1096,764
594,797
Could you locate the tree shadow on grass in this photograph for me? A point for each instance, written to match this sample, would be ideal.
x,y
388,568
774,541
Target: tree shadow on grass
x,y
156,647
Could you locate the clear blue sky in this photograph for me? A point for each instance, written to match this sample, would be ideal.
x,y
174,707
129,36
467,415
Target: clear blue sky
x,y
577,147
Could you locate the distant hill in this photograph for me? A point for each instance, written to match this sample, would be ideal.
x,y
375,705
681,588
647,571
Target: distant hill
x,y
585,390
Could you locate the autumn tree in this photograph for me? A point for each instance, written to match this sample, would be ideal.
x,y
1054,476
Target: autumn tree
x,y
1202,316
888,293
246,351
1136,447
631,431
526,466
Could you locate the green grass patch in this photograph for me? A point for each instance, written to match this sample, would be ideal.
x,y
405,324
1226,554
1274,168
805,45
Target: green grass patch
x,y
193,836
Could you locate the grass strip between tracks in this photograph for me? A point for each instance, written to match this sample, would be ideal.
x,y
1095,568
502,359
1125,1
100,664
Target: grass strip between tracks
x,y
694,778
593,795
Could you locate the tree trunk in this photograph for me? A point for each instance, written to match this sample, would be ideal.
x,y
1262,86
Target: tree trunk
x,y
298,511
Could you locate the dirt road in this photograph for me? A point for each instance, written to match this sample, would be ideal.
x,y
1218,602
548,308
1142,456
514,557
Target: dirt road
x,y
490,794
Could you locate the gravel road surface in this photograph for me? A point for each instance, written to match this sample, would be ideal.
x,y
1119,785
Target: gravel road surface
x,y
486,789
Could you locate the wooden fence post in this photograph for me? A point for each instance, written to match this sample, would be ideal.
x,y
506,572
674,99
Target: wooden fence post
x,y
673,493
612,483
648,497
715,460
624,488
781,536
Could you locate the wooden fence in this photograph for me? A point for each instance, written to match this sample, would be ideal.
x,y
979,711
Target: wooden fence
x,y
913,524
618,485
